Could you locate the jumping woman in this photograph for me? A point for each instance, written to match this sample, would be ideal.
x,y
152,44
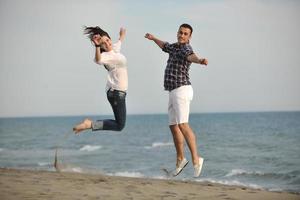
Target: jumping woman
x,y
109,55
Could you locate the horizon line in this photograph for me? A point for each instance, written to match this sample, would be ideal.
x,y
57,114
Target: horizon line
x,y
136,114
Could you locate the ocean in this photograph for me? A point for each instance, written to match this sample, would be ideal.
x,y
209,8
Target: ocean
x,y
259,150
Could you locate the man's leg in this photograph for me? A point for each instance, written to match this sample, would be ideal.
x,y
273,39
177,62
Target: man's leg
x,y
178,142
191,141
178,138
182,101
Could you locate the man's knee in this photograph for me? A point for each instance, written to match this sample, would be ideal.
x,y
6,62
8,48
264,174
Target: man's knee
x,y
183,126
173,127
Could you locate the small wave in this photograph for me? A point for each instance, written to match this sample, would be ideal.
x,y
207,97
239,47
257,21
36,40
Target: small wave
x,y
238,172
161,177
71,169
259,174
89,148
232,183
1,149
43,164
159,144
76,169
128,174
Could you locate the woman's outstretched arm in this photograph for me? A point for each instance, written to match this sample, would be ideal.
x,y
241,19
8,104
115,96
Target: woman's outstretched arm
x,y
122,34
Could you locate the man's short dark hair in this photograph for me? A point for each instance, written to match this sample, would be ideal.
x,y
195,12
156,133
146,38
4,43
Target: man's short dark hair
x,y
187,26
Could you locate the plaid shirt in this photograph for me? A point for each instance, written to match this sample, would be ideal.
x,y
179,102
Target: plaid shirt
x,y
177,70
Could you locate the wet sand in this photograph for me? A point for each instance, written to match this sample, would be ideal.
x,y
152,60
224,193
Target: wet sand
x,y
26,184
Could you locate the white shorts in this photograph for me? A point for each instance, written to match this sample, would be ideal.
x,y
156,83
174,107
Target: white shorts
x,y
179,104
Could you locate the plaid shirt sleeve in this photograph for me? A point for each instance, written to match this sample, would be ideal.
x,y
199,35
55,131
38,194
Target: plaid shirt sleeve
x,y
167,47
188,50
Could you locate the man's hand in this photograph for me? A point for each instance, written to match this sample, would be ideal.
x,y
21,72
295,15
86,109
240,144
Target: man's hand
x,y
156,40
149,36
195,59
203,61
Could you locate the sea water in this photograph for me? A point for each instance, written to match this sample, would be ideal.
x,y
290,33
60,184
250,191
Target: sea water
x,y
259,150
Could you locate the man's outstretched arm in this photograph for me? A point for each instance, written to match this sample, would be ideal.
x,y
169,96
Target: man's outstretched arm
x,y
156,40
194,58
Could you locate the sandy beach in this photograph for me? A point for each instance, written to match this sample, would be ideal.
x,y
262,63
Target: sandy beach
x,y
26,184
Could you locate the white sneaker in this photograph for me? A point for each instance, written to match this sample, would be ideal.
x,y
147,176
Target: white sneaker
x,y
198,168
180,167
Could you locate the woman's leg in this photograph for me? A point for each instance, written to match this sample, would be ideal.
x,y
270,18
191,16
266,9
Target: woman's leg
x,y
86,124
117,101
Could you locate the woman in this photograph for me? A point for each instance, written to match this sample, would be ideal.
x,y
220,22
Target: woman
x,y
108,55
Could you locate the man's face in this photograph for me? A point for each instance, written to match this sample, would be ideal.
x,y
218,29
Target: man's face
x,y
183,35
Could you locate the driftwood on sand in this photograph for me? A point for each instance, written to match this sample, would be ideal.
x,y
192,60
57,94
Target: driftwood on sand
x,y
56,165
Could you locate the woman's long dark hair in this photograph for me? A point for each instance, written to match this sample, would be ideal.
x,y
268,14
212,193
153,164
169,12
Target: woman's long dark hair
x,y
91,31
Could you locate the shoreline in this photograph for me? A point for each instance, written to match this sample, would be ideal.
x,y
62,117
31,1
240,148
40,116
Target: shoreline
x,y
33,184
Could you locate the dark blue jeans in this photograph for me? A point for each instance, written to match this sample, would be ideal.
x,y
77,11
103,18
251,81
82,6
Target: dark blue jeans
x,y
116,99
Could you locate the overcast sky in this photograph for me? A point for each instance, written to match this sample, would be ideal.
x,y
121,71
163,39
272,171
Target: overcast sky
x,y
47,68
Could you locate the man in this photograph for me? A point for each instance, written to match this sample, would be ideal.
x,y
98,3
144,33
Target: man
x,y
176,81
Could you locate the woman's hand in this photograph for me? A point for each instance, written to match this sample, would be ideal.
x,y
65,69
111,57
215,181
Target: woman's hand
x,y
122,34
96,39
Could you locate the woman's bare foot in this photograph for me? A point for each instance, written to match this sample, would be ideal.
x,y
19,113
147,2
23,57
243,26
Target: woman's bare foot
x,y
86,124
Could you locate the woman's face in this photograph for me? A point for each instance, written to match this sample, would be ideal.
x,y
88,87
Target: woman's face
x,y
105,43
